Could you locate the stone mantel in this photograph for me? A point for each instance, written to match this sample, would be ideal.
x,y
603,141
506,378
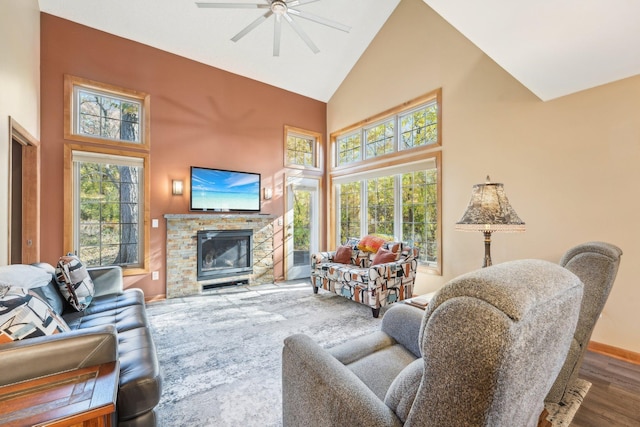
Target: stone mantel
x,y
219,216
182,269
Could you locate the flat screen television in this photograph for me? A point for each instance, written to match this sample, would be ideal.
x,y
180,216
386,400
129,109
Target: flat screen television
x,y
222,190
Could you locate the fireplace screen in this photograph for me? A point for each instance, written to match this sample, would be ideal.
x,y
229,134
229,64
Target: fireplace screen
x,y
224,253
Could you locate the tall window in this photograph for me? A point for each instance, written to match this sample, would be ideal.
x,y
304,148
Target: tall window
x,y
380,205
302,148
349,206
106,189
107,193
386,178
402,204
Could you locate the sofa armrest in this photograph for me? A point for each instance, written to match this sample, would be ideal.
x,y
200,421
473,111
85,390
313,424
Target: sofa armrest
x,y
319,390
106,280
318,258
41,356
403,322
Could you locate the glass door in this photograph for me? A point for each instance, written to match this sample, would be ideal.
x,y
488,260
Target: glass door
x,y
302,230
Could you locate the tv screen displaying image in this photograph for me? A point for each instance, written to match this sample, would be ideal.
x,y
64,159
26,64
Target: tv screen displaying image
x,y
223,190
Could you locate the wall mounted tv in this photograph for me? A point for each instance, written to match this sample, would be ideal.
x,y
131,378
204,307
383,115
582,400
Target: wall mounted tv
x,y
222,190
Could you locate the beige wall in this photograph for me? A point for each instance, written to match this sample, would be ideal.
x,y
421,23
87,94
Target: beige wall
x,y
570,166
19,88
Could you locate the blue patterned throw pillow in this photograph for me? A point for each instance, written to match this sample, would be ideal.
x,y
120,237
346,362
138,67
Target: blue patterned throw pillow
x,y
74,282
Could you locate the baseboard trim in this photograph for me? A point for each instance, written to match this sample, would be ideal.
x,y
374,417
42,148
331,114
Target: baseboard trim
x,y
615,352
155,298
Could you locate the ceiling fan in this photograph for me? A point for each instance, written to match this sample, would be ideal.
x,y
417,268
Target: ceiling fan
x,y
281,10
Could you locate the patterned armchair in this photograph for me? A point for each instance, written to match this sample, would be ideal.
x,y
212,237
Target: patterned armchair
x,y
360,280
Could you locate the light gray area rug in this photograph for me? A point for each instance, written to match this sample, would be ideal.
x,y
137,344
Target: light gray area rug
x,y
221,353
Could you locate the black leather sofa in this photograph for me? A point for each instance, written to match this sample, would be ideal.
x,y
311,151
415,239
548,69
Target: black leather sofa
x,y
113,327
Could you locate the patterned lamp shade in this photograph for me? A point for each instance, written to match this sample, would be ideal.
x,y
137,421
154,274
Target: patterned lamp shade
x,y
489,210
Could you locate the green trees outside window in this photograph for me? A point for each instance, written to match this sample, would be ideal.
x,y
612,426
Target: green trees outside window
x,y
108,117
350,210
413,194
108,226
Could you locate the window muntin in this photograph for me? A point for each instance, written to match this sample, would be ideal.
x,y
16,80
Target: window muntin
x,y
302,149
349,149
379,139
108,195
419,127
105,116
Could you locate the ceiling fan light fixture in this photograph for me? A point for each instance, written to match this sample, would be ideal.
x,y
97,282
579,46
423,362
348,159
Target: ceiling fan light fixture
x,y
281,10
279,7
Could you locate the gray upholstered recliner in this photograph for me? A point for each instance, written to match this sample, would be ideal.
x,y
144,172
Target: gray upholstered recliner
x,y
596,264
484,353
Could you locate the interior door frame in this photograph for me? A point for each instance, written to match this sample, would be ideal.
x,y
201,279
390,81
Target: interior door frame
x,y
290,179
30,193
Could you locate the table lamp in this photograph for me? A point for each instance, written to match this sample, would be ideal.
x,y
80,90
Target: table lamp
x,y
488,211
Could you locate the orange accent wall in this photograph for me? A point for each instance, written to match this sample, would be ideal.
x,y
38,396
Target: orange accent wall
x,y
200,116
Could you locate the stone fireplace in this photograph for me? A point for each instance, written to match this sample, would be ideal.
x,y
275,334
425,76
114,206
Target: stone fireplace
x,y
184,261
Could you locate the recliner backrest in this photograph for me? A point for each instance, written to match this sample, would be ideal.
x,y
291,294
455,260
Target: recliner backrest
x,y
596,264
492,342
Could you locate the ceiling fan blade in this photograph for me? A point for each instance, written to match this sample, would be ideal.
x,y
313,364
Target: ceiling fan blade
x,y
301,33
295,3
276,35
233,5
251,26
319,20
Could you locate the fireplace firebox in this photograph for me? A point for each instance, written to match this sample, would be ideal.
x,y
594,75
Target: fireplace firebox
x,y
224,253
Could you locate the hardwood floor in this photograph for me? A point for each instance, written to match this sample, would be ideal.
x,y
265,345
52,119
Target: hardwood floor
x,y
614,397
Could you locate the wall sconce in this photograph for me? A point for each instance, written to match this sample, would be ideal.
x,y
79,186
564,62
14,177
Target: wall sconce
x,y
267,193
176,187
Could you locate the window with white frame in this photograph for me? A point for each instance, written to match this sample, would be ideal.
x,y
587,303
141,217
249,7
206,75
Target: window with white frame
x,y
105,114
349,149
419,127
401,201
410,127
108,214
302,148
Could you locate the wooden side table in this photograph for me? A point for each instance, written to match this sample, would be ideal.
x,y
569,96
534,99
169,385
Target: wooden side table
x,y
79,398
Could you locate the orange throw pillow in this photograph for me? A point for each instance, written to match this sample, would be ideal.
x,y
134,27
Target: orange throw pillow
x,y
383,256
371,243
343,255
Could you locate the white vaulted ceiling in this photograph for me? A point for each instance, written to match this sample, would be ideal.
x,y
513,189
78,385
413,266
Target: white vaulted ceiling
x,y
553,47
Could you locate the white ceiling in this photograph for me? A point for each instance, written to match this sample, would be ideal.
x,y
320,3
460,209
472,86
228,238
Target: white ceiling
x,y
204,35
553,47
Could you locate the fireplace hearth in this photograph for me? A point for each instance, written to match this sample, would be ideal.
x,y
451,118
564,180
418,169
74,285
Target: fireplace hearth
x,y
224,253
